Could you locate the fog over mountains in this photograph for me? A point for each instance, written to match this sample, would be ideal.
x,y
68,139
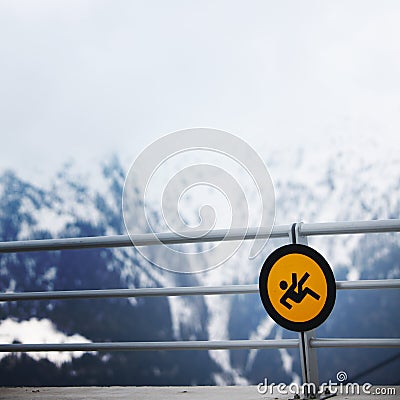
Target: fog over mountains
x,y
309,186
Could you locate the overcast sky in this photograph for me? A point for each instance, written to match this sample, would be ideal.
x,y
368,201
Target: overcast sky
x,y
82,79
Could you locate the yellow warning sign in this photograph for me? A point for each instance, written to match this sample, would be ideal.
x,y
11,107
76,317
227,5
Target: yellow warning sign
x,y
297,287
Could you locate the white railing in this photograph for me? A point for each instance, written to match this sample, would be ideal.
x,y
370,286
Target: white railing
x,y
296,233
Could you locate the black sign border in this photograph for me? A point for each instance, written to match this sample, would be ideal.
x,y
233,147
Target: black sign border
x,y
330,279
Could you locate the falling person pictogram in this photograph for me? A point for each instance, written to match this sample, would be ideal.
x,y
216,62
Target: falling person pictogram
x,y
299,295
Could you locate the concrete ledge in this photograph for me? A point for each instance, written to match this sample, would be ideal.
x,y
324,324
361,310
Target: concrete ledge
x,y
165,393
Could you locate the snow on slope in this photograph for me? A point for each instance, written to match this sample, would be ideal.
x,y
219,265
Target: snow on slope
x,y
348,185
39,331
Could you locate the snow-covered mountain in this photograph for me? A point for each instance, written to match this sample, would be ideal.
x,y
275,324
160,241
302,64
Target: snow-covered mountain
x,y
310,187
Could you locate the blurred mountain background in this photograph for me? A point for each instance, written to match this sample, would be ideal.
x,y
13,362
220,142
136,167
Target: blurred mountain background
x,y
309,187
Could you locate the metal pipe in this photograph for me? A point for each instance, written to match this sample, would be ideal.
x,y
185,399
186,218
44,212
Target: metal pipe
x,y
369,284
146,239
178,291
142,292
308,355
200,345
348,227
279,231
141,346
355,342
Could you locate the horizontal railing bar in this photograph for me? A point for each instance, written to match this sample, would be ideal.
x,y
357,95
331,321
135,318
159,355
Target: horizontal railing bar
x,y
146,239
349,227
355,342
179,291
369,284
279,231
200,345
141,346
141,292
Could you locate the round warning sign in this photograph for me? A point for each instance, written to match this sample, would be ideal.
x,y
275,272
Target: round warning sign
x,y
297,287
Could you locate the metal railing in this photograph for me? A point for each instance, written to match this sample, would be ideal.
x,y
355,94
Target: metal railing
x,y
296,233
281,231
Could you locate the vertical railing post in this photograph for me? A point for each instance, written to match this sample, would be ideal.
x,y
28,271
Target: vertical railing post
x,y
308,355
